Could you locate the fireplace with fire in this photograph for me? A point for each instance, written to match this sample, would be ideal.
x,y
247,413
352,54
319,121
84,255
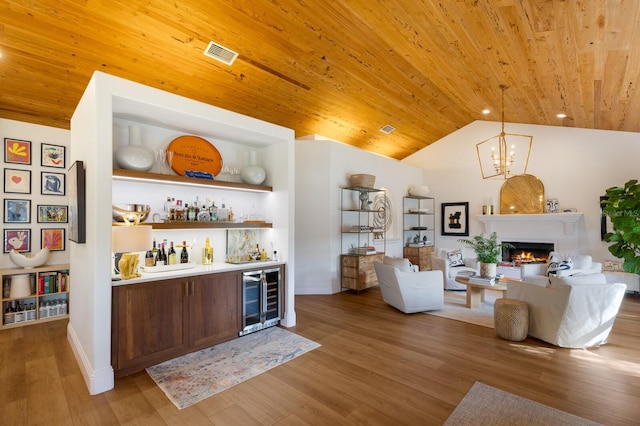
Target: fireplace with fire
x,y
526,252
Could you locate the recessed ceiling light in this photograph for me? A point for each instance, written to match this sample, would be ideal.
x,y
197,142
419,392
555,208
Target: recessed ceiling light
x,y
561,115
387,129
486,111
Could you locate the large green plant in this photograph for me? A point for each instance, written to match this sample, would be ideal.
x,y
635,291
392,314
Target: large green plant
x,y
487,249
622,205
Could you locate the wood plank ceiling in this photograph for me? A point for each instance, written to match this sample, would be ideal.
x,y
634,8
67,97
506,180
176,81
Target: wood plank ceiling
x,y
339,68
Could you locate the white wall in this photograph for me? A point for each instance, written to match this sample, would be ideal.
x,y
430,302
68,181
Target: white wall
x,y
37,135
323,167
575,166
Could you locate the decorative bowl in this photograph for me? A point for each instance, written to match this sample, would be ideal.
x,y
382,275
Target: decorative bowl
x,y
29,260
362,180
130,212
419,191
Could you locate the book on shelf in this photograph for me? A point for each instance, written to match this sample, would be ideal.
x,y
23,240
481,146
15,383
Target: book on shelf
x,y
364,250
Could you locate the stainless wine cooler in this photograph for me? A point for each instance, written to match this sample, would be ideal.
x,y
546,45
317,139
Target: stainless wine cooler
x,y
261,307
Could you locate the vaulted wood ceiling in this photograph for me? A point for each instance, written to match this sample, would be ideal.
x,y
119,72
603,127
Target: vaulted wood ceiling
x,y
338,68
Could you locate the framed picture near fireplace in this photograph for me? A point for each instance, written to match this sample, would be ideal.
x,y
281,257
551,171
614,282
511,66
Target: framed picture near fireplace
x,y
455,219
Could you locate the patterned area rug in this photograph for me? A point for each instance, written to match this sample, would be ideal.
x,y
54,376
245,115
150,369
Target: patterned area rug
x,y
486,405
193,377
455,307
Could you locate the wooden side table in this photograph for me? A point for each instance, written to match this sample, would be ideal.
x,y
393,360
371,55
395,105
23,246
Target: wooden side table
x,y
511,319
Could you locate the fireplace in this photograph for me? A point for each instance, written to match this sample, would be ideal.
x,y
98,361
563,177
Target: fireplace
x,y
526,252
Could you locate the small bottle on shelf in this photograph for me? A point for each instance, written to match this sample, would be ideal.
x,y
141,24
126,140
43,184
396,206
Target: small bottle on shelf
x,y
184,254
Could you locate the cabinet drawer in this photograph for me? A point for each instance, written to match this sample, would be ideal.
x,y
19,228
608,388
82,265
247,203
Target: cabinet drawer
x,y
350,272
351,261
368,261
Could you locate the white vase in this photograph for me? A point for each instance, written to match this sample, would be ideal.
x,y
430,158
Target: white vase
x,y
134,156
253,173
488,269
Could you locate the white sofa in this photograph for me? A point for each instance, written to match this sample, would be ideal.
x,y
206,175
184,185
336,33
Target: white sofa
x,y
441,259
409,291
573,312
581,264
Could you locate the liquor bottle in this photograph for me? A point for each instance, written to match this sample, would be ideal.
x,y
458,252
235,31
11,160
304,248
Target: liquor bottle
x,y
184,254
154,250
167,205
207,253
191,212
149,259
263,254
160,258
180,216
173,257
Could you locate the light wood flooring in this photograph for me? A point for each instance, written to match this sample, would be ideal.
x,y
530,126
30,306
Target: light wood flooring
x,y
375,366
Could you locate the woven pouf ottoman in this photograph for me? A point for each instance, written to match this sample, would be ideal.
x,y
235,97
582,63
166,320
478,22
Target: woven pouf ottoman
x,y
511,319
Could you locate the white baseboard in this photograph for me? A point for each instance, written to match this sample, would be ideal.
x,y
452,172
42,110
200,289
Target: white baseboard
x,y
96,381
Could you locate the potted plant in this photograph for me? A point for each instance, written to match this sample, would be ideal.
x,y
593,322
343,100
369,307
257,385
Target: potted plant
x,y
622,205
488,251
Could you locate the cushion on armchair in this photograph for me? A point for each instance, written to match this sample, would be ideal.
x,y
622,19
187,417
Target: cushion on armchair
x,y
556,282
454,258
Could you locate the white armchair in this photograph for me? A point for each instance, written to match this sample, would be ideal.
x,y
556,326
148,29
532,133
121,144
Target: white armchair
x,y
410,292
443,259
577,264
576,315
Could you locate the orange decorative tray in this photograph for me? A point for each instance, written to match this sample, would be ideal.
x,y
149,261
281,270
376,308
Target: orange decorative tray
x,y
195,154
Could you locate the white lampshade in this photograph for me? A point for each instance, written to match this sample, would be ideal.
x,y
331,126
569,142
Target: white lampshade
x,y
130,238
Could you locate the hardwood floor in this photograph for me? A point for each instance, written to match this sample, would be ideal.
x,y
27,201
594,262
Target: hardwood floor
x,y
375,366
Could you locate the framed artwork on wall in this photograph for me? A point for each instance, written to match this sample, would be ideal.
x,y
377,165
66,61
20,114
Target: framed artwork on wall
x,y
17,211
17,181
17,239
52,214
17,151
455,219
53,156
77,207
53,238
52,183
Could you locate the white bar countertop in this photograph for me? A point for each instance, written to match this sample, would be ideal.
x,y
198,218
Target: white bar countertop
x,y
196,269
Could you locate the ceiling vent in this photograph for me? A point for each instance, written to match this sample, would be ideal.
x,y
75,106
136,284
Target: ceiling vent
x,y
387,129
220,53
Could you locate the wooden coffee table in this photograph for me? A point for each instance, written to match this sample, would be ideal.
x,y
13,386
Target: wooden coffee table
x,y
475,292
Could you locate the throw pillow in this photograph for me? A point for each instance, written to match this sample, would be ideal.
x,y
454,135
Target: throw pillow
x,y
454,258
403,265
556,265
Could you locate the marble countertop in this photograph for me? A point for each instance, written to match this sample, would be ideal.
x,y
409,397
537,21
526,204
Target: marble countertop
x,y
197,269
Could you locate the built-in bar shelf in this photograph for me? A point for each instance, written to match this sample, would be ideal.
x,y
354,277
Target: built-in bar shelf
x,y
208,225
569,220
132,175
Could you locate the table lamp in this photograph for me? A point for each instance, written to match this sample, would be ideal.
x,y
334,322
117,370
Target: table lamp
x,y
127,239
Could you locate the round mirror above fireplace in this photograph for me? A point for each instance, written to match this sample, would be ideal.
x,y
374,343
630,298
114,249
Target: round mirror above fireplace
x,y
522,194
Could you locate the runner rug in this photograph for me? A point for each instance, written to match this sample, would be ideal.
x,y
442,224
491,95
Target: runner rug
x,y
486,405
193,377
455,307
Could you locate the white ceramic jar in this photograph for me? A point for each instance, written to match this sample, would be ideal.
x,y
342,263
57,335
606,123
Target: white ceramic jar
x,y
134,156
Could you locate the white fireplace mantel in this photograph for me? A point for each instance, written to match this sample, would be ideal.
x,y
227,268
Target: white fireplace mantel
x,y
569,220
